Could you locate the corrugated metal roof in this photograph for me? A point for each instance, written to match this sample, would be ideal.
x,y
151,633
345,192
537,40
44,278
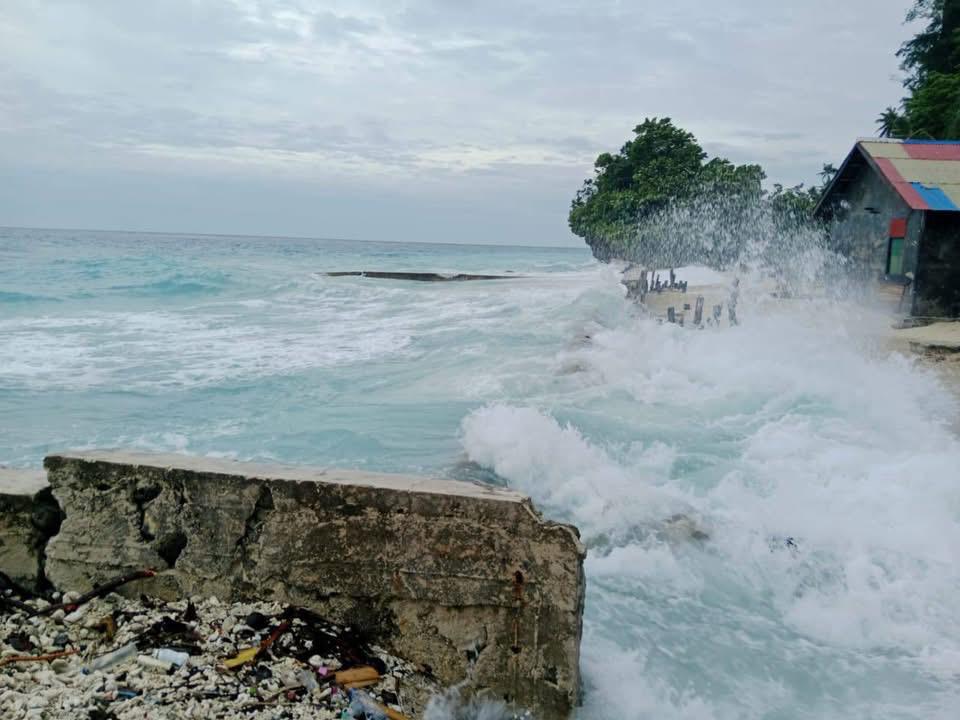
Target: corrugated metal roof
x,y
933,150
935,197
925,173
881,149
907,191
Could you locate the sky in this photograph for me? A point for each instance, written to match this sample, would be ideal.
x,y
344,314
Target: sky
x,y
409,120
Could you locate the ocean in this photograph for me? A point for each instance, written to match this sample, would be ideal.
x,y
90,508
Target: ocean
x,y
822,469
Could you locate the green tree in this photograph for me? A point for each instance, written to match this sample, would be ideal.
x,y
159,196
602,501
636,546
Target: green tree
x,y
936,48
931,60
934,107
892,124
659,165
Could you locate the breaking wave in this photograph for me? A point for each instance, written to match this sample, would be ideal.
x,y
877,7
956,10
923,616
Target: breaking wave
x,y
773,527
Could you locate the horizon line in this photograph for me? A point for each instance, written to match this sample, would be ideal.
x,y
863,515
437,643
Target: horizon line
x,y
289,237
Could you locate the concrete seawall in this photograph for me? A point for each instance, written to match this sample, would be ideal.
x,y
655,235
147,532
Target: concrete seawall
x,y
464,578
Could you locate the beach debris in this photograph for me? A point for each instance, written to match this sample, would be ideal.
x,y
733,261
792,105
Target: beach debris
x,y
169,634
73,605
171,656
242,658
363,706
112,658
167,660
151,663
35,658
357,677
248,655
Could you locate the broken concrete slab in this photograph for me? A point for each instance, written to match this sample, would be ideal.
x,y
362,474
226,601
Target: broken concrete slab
x,y
22,481
418,276
29,516
466,579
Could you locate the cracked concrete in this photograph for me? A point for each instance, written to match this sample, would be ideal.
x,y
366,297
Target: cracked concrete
x,y
29,517
466,579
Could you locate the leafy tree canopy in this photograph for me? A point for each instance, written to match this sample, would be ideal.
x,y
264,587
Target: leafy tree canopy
x,y
931,60
660,201
662,163
936,48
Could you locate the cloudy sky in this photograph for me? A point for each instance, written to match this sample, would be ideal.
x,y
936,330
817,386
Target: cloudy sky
x,y
437,120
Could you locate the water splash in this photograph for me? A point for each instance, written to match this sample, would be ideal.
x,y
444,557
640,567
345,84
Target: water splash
x,y
752,236
821,471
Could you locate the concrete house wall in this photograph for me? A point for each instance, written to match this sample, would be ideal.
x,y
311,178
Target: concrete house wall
x,y
863,234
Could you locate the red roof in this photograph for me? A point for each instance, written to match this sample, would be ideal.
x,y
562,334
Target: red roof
x,y
932,150
907,191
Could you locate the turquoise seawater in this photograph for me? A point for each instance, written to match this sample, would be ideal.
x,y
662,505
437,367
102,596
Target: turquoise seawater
x,y
797,424
243,347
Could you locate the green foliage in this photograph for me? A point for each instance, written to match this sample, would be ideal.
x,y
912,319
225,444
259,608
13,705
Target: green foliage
x,y
794,204
661,164
892,124
934,108
932,62
936,48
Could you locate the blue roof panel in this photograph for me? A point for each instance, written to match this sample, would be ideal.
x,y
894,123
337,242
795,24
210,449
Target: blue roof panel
x,y
935,197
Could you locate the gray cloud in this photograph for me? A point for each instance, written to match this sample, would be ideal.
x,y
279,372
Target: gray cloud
x,y
411,104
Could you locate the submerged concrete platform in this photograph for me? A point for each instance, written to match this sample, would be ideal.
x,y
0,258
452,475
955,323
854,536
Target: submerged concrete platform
x,y
419,276
465,579
939,336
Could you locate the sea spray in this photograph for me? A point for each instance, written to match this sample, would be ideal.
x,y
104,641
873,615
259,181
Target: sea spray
x,y
754,237
823,473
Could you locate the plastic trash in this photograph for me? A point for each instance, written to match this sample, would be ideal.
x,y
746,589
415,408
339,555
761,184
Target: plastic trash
x,y
174,657
242,658
112,658
151,663
355,676
363,706
307,679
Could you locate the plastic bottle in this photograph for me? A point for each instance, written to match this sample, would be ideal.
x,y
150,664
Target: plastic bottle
x,y
174,657
151,663
112,658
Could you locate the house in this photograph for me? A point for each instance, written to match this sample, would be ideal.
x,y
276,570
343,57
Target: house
x,y
893,208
